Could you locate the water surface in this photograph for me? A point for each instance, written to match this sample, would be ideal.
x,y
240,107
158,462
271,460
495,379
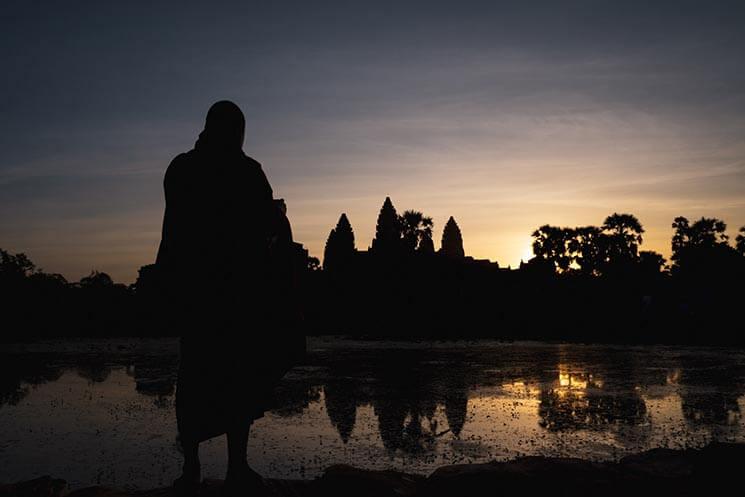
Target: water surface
x,y
101,412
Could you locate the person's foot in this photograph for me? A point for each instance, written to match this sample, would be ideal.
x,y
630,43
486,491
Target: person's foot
x,y
187,485
242,481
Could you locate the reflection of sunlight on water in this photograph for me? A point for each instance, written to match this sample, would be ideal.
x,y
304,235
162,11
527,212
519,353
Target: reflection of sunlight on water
x,y
673,376
566,380
671,429
520,389
574,378
92,425
666,417
505,425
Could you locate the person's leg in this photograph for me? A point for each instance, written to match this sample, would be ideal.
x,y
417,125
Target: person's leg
x,y
192,467
237,447
187,485
240,478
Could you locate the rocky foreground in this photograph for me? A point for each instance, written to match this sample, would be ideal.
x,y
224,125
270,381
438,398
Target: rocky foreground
x,y
718,469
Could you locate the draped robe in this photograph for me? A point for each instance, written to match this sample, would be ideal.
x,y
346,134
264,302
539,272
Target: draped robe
x,y
224,259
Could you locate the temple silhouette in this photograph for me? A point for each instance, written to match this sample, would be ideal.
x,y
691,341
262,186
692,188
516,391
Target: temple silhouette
x,y
396,237
586,283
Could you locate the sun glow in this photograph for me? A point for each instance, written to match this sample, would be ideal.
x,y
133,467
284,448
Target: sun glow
x,y
527,254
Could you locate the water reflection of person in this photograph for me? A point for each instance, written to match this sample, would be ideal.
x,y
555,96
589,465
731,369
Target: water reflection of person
x,y
225,258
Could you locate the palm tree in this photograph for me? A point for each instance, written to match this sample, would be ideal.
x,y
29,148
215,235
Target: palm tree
x,y
557,245
416,228
625,231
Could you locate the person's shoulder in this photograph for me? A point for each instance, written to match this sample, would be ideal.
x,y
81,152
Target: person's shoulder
x,y
251,162
180,166
255,175
252,166
184,160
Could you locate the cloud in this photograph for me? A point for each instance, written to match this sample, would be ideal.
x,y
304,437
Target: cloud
x,y
506,115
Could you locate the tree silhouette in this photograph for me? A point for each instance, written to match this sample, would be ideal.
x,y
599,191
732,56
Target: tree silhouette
x,y
625,232
340,245
589,248
15,265
651,262
96,279
680,236
698,244
705,263
415,229
452,240
625,226
740,241
704,233
387,231
555,245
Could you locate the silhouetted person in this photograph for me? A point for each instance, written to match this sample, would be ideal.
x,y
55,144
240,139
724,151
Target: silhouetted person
x,y
225,258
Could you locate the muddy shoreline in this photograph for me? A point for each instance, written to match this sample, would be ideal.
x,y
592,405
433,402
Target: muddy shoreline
x,y
712,470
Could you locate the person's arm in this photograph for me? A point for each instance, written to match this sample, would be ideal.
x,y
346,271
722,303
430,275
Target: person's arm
x,y
268,207
171,217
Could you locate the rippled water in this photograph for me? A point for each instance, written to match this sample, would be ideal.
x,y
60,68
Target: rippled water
x,y
102,411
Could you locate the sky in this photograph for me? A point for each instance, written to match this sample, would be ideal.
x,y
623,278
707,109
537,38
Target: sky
x,y
505,115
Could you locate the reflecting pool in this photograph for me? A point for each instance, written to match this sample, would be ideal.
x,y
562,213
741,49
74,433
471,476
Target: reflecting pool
x,y
102,411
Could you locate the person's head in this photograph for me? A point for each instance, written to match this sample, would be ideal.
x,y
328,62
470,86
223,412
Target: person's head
x,y
225,125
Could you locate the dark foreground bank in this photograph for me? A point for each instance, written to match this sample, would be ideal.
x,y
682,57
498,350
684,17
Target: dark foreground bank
x,y
713,470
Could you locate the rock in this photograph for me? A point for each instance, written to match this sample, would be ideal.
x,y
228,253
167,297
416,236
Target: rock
x,y
714,470
98,491
722,460
524,476
44,486
346,481
660,463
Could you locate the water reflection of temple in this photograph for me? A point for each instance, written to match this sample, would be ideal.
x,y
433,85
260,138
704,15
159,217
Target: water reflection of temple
x,y
419,395
405,398
584,391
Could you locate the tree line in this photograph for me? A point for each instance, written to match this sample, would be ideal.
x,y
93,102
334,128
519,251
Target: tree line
x,y
577,279
701,246
605,250
401,286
